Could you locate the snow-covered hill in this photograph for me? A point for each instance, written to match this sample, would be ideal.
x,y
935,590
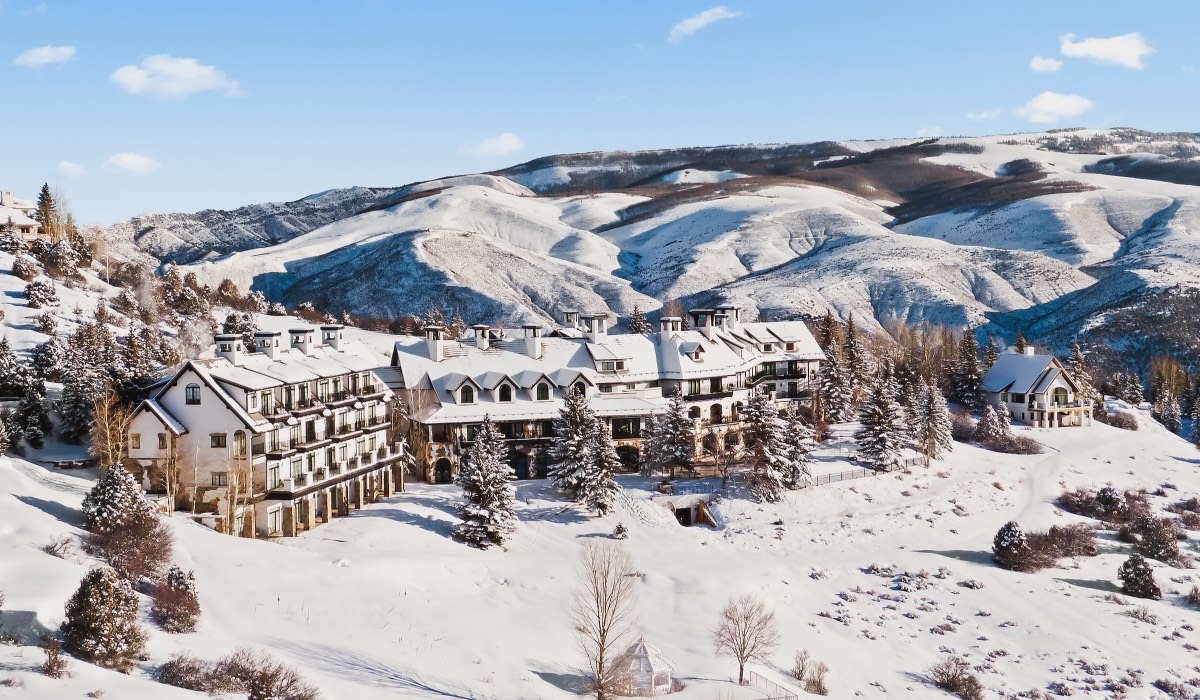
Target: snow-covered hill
x,y
1048,233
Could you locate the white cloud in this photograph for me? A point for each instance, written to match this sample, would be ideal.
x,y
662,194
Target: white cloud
x,y
1049,107
501,145
66,167
1126,50
984,114
167,76
695,23
44,55
930,131
132,163
1040,64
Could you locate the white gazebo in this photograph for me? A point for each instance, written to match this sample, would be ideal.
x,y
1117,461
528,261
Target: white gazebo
x,y
642,671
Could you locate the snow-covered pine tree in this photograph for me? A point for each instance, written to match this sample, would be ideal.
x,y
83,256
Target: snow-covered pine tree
x,y
41,294
101,623
676,442
4,441
1137,578
1132,392
766,450
1166,411
1020,344
598,488
991,353
650,458
114,500
882,433
11,372
1195,435
855,359
991,426
1010,548
457,327
637,321
827,330
931,423
25,268
244,324
908,383
82,383
835,387
797,437
487,513
176,607
966,386
572,442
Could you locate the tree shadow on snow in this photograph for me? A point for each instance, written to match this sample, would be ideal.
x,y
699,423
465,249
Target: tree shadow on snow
x,y
24,625
368,671
62,513
1094,584
971,556
437,526
564,680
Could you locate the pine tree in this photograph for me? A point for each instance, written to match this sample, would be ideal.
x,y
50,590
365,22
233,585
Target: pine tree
x,y
767,450
991,426
967,378
676,439
637,321
1020,344
856,361
835,387
488,516
991,353
45,213
41,295
1137,578
4,440
797,438
1010,548
882,434
1133,392
457,327
1166,411
101,623
114,501
1195,434
25,268
176,606
11,372
827,330
598,489
931,423
572,443
650,457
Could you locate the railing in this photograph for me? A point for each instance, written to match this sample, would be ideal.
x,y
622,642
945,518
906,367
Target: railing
x,y
1042,405
320,473
843,476
338,467
366,458
352,463
774,690
302,480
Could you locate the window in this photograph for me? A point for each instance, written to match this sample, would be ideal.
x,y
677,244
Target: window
x,y
342,453
505,393
466,395
543,392
226,347
473,431
508,430
220,479
694,412
693,386
768,347
135,441
267,403
793,368
1017,398
440,433
769,388
323,391
273,475
297,465
605,388
252,401
790,347
295,436
631,387
162,441
546,428
274,518
310,462
626,428
191,395
217,440
768,368
579,388
714,385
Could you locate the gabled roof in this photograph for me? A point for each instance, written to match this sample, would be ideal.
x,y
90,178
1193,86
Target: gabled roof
x,y
527,378
1024,374
201,369
163,415
492,380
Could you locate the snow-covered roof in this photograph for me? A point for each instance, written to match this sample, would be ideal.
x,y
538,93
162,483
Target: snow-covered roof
x,y
163,415
1023,374
643,663
19,218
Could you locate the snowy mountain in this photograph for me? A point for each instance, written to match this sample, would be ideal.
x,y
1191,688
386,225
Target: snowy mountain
x,y
1050,233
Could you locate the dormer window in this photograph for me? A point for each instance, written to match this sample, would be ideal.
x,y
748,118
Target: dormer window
x,y
790,347
191,395
466,395
505,393
543,391
226,347
612,366
696,356
579,388
768,347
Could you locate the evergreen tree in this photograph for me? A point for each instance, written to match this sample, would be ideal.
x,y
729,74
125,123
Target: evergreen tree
x,y
572,443
115,500
797,438
637,322
1020,344
1133,392
41,295
835,387
1195,434
457,327
882,434
1137,578
650,458
966,387
243,324
856,361
1010,548
45,213
25,268
676,439
4,440
767,450
931,423
11,372
598,488
1166,411
46,358
908,383
488,516
827,330
176,606
991,353
101,621
991,426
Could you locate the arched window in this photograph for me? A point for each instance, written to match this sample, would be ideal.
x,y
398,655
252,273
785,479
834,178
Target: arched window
x,y
505,393
694,412
579,388
466,395
191,395
239,443
543,392
714,413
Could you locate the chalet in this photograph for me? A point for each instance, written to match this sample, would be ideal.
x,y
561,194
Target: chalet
x,y
19,213
1036,390
520,381
271,442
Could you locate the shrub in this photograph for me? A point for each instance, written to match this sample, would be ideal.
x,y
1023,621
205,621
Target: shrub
x,y
1012,550
1014,445
55,665
1122,420
101,621
1137,578
260,677
962,427
61,546
814,682
1143,614
1071,540
41,294
1107,504
176,607
25,268
1153,537
1193,596
953,674
185,671
139,549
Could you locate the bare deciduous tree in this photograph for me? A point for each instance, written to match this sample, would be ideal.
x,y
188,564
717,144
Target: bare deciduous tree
x,y
602,611
110,431
725,456
746,632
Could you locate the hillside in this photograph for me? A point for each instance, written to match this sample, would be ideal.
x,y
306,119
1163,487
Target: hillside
x,y
1048,233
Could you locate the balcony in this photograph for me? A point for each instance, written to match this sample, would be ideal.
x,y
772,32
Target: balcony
x,y
710,395
302,480
321,473
352,463
338,467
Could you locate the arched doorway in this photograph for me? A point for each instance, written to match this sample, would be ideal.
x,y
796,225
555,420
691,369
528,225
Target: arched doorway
x,y
714,414
441,471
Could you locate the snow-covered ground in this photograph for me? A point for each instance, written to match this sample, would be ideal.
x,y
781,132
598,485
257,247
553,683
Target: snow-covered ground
x,y
383,604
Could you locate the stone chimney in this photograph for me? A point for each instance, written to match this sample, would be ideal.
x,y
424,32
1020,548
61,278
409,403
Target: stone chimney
x,y
6,199
702,320
571,319
302,339
331,335
229,346
267,342
435,342
1030,350
482,341
533,340
595,327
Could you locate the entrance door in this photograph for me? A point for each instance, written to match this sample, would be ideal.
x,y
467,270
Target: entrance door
x,y
520,464
441,471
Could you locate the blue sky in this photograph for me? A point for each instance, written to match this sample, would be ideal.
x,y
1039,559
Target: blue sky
x,y
134,107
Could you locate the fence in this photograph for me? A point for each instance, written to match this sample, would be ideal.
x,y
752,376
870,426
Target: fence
x,y
773,689
843,476
696,486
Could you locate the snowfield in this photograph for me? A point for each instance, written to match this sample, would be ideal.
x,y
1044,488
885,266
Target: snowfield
x,y
383,604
